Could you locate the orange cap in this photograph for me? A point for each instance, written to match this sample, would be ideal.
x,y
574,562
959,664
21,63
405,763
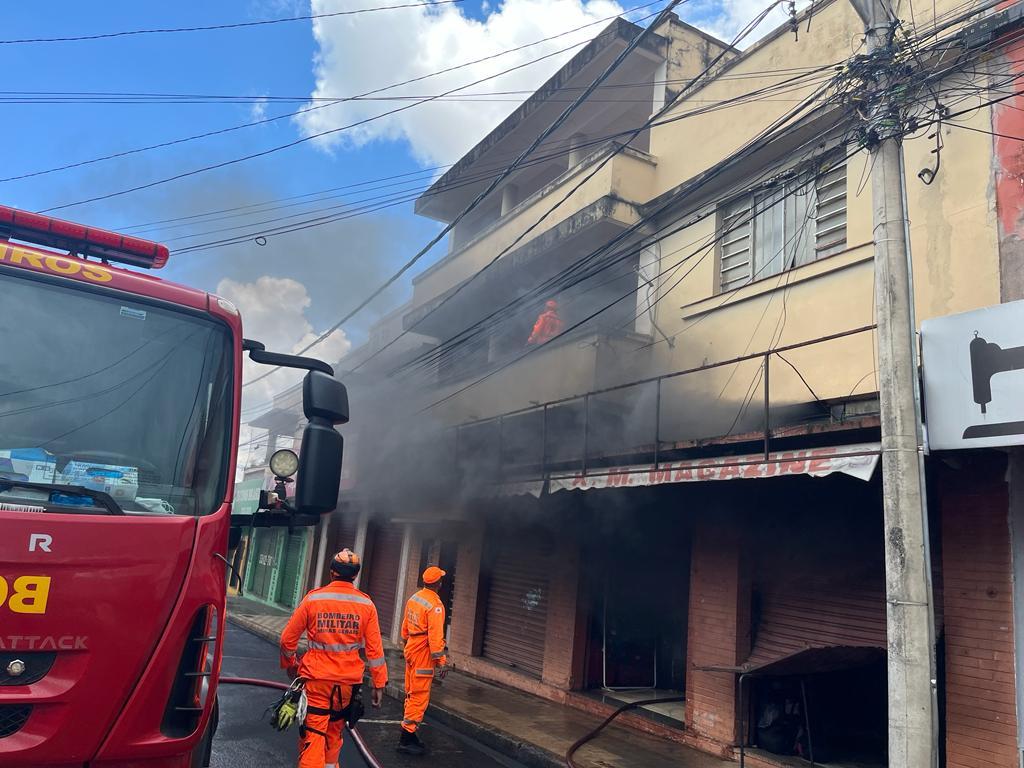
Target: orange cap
x,y
346,557
433,574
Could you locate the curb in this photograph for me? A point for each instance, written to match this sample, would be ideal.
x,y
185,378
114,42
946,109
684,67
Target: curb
x,y
504,743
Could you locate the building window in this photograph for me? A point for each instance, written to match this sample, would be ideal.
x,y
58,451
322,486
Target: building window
x,y
766,232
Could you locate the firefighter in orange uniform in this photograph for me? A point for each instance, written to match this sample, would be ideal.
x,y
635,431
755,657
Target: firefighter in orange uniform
x,y
339,621
423,633
548,324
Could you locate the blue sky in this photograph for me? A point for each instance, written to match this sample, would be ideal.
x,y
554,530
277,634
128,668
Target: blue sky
x,y
264,60
337,264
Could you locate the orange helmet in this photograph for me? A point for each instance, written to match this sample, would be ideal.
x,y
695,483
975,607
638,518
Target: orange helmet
x,y
433,574
346,564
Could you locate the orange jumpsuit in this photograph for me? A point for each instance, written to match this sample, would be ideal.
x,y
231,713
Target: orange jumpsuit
x,y
423,633
548,325
339,621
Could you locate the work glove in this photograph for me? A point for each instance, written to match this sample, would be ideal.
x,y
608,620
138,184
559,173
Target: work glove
x,y
442,668
286,715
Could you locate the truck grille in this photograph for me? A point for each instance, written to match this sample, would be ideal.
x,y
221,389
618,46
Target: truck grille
x,y
37,664
12,718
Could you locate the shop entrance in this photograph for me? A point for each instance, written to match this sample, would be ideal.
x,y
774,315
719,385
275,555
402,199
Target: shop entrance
x,y
637,575
825,706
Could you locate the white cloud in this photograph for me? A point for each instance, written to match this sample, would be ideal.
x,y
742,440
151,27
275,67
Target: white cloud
x,y
725,19
363,52
274,313
258,109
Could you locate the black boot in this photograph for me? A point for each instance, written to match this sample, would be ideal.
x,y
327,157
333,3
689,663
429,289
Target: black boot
x,y
410,744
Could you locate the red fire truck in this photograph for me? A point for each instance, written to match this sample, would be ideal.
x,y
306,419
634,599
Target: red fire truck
x,y
119,421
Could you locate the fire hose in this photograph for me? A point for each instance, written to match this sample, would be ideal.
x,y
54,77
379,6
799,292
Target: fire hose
x,y
357,740
591,735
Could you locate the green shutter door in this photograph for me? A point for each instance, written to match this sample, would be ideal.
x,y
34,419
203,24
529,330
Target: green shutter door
x,y
291,575
262,562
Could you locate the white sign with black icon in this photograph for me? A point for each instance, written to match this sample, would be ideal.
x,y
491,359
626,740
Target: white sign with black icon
x,y
973,366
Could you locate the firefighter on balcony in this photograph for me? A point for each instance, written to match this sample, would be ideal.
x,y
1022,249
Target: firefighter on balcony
x,y
548,324
339,621
425,652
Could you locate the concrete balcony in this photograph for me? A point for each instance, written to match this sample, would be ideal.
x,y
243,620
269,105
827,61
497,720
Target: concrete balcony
x,y
569,365
610,196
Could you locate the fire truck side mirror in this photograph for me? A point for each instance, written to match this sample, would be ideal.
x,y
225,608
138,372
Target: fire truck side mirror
x,y
325,404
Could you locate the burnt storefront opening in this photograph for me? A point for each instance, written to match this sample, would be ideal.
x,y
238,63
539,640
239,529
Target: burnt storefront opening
x,y
636,576
826,706
813,686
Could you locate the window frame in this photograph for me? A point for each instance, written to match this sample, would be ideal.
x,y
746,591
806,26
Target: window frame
x,y
828,173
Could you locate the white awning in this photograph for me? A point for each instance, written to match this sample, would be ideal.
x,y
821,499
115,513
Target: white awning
x,y
858,460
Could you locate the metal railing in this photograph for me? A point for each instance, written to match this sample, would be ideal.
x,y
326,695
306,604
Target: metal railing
x,y
489,443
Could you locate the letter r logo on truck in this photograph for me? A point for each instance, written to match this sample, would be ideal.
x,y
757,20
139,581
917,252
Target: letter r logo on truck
x,y
27,594
40,541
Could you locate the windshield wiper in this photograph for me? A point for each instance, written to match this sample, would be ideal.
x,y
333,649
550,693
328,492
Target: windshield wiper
x,y
102,499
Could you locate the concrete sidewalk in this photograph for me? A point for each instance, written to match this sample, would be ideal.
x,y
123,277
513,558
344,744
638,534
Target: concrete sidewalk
x,y
529,729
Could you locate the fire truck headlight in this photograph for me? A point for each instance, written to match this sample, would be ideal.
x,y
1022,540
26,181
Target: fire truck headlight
x,y
284,463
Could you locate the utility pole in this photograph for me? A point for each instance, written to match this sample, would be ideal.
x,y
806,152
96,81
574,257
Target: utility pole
x,y
909,622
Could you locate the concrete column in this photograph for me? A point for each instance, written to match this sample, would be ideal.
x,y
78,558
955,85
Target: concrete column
x,y
271,446
576,151
360,545
660,87
509,198
403,566
719,627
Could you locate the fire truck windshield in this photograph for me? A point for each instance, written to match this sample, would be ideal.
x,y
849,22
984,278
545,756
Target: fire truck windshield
x,y
104,392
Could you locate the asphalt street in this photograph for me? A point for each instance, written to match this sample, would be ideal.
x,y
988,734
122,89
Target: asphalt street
x,y
245,738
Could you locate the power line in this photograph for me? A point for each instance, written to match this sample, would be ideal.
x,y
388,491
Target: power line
x,y
632,135
406,178
264,121
217,27
559,121
364,363
402,195
440,351
290,144
530,351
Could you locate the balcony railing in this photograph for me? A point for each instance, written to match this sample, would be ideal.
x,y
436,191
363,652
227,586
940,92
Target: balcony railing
x,y
671,413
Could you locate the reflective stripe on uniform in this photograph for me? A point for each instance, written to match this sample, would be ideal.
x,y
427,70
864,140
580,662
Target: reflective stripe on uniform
x,y
424,671
376,662
344,597
437,655
410,722
335,646
422,601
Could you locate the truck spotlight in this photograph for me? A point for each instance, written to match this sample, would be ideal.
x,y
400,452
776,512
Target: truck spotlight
x,y
284,463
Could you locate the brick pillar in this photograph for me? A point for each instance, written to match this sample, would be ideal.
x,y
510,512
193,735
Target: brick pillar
x,y
464,630
719,626
981,721
562,641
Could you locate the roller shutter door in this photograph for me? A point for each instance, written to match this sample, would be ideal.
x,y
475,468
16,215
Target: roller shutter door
x,y
383,563
517,608
821,582
289,588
